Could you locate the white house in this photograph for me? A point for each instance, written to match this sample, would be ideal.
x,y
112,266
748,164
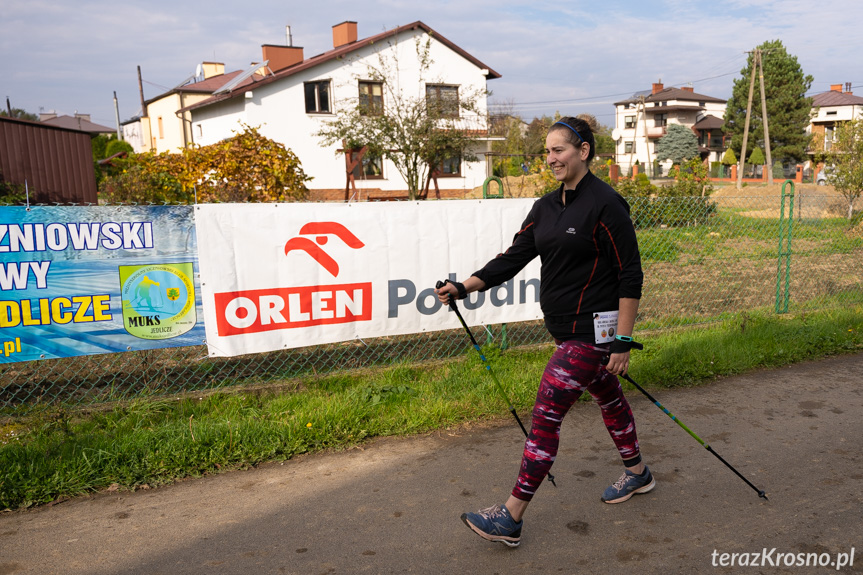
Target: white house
x,y
294,99
640,121
830,109
160,127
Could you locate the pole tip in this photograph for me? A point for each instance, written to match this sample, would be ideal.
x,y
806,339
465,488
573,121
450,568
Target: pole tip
x,y
762,495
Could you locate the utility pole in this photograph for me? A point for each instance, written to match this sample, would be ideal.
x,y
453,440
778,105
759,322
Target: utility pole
x,y
141,91
117,116
760,57
649,165
634,139
746,126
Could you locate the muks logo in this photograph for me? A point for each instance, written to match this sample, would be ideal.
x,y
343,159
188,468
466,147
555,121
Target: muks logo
x,y
321,230
252,311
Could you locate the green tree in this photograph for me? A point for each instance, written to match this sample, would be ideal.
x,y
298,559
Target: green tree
x,y
847,156
20,114
788,108
756,158
417,130
729,159
534,138
678,144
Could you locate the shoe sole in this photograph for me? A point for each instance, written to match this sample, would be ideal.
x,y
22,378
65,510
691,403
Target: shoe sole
x,y
508,541
645,489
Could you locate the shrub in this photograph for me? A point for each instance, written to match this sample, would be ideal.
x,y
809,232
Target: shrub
x,y
681,203
244,168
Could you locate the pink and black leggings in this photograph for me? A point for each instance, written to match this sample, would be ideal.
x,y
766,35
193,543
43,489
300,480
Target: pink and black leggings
x,y
573,368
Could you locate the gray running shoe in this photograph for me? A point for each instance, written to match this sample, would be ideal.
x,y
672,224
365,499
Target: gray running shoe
x,y
495,524
628,485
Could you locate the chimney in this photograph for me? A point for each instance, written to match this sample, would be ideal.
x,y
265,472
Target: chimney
x,y
85,117
848,89
835,87
344,33
281,57
658,87
44,116
688,89
212,69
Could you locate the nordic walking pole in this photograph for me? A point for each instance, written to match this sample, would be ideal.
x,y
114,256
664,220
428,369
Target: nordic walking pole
x,y
703,443
500,390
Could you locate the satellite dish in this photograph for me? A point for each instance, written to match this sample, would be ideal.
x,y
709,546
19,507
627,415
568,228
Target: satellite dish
x,y
615,135
199,71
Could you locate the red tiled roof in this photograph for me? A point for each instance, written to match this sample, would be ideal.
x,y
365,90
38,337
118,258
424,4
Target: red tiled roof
x,y
668,94
834,98
338,53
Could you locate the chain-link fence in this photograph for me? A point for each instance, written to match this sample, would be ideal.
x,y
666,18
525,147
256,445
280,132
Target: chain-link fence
x,y
705,259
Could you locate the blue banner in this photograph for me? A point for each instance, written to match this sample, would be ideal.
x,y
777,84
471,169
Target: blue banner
x,y
97,279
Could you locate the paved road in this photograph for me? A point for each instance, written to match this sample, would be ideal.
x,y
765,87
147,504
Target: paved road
x,y
393,506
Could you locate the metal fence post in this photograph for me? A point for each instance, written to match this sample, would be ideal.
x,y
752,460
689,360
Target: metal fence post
x,y
785,230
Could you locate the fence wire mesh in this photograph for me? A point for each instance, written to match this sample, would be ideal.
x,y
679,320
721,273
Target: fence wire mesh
x,y
705,259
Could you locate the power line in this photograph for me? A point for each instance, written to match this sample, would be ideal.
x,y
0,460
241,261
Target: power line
x,y
628,93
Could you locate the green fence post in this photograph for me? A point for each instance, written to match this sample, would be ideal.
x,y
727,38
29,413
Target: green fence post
x,y
499,195
783,292
485,194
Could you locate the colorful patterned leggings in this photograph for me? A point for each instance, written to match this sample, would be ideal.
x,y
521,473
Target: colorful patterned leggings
x,y
574,367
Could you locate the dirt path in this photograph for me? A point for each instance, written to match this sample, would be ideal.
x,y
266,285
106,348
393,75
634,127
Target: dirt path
x,y
393,507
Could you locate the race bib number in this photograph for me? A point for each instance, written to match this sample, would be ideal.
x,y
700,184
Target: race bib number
x,y
605,326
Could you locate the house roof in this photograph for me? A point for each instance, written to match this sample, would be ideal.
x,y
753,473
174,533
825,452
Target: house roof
x,y
835,98
79,124
207,86
336,53
709,122
668,94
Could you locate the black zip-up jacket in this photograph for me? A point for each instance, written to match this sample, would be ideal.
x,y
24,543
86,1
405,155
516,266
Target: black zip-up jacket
x,y
589,256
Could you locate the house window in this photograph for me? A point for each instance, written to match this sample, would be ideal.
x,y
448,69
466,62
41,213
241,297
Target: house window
x,y
371,98
317,97
371,168
629,147
629,122
451,166
833,113
161,128
660,120
442,101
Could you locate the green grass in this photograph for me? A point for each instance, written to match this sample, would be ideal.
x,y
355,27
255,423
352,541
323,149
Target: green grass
x,y
59,453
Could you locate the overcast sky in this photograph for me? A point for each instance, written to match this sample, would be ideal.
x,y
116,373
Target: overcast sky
x,y
572,56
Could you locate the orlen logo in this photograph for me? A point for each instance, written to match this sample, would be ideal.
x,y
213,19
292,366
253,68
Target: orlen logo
x,y
320,229
252,311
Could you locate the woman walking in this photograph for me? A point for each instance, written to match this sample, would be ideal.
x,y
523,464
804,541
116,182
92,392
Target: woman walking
x,y
590,288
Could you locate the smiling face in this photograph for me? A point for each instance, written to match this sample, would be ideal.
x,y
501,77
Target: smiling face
x,y
568,162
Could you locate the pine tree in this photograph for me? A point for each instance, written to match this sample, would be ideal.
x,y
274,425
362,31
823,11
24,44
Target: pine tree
x,y
788,108
678,145
729,159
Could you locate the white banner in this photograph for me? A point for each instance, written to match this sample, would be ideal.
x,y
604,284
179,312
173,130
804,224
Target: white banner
x,y
279,276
